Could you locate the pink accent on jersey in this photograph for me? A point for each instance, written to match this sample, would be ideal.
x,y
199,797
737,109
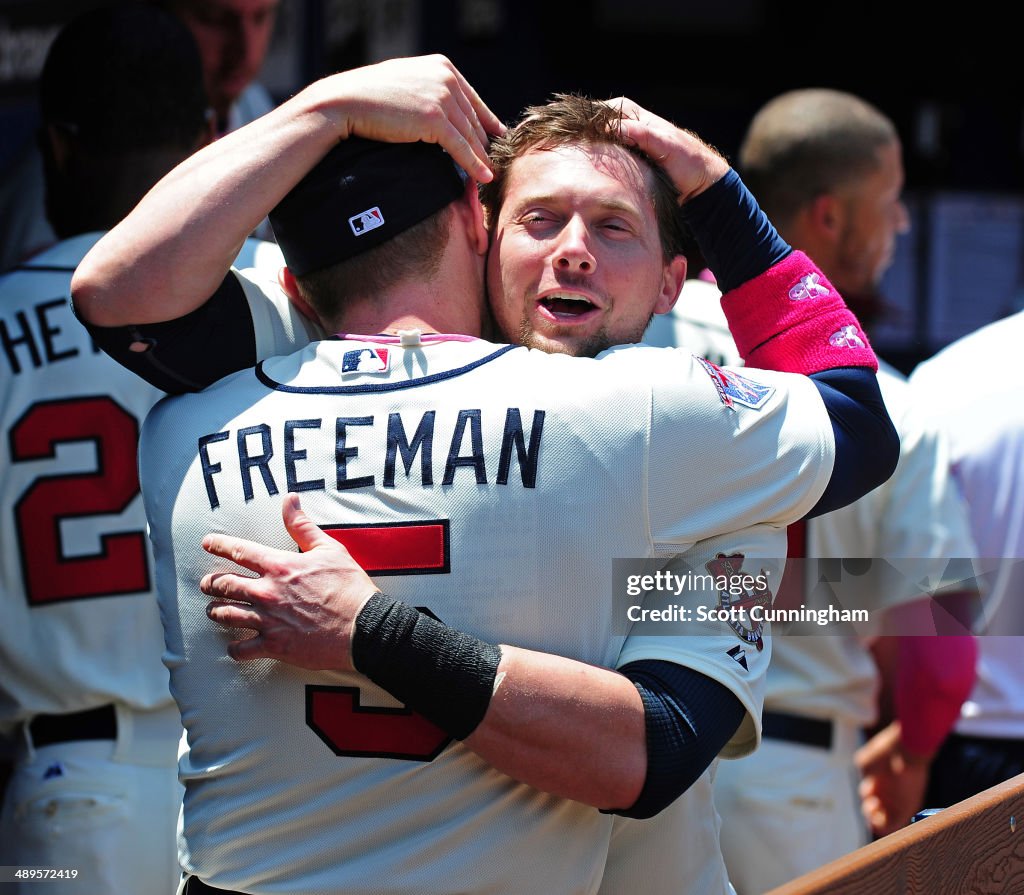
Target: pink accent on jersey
x,y
791,318
383,339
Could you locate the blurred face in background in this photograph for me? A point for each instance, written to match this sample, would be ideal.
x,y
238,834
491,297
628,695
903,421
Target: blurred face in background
x,y
233,36
873,216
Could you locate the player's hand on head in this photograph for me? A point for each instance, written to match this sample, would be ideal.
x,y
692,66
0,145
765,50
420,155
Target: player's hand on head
x,y
692,164
419,98
301,607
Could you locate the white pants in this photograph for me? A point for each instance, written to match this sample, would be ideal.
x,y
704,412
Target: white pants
x,y
108,809
788,809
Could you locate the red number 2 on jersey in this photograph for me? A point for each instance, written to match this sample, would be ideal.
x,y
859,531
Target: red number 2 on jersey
x,y
335,713
121,565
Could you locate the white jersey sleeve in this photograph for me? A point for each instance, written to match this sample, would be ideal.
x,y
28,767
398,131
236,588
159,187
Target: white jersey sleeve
x,y
970,389
900,536
278,326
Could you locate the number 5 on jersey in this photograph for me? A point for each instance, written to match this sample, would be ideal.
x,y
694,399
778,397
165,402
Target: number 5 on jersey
x,y
336,714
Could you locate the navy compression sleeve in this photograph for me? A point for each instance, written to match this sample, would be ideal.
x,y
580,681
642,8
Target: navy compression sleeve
x,y
867,444
689,717
735,237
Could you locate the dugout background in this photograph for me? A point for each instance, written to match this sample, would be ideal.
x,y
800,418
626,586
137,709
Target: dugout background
x,y
952,84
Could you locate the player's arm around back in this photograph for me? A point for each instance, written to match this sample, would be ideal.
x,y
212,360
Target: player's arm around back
x,y
783,313
170,254
559,725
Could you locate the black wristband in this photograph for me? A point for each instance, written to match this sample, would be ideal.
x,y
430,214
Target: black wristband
x,y
445,675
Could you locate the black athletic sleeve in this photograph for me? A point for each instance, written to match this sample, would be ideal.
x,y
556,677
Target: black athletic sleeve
x,y
191,352
689,717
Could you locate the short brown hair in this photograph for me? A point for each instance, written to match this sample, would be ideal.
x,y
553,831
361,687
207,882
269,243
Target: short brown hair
x,y
575,120
413,253
805,143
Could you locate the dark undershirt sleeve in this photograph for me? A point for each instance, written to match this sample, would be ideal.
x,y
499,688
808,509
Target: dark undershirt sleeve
x,y
689,717
735,237
867,444
191,352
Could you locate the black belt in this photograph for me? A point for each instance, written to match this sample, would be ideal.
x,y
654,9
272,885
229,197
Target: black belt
x,y
797,729
195,886
95,724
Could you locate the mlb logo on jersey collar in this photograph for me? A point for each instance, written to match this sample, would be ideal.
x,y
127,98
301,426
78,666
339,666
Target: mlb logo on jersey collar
x,y
365,360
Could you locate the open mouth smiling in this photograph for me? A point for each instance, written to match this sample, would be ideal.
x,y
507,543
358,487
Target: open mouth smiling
x,y
566,306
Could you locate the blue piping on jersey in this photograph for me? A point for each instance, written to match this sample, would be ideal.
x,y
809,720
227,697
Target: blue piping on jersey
x,y
375,387
41,268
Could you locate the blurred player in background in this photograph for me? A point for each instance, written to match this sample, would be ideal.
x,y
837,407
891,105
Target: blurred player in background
x,y
233,37
83,693
970,389
84,696
827,168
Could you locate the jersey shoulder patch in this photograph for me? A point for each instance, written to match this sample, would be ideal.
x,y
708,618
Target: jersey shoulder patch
x,y
735,389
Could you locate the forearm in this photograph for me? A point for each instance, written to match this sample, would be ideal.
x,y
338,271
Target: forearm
x,y
170,253
565,727
559,725
934,675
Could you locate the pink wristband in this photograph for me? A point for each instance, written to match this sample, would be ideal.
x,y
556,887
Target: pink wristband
x,y
791,318
934,676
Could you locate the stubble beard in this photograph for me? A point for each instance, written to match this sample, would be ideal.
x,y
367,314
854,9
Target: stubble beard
x,y
589,346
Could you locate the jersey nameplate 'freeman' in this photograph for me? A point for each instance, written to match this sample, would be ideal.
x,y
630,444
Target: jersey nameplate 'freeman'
x,y
370,451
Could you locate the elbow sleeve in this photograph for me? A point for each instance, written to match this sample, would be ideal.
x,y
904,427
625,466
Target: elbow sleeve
x,y
688,719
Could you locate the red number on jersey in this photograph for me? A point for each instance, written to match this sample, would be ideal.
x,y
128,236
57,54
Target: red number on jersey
x,y
121,565
335,713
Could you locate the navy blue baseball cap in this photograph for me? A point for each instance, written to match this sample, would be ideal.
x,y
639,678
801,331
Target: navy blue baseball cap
x,y
361,194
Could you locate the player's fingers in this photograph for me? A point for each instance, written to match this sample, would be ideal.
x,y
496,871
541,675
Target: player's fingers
x,y
245,553
303,530
234,615
483,123
228,586
489,123
467,151
246,650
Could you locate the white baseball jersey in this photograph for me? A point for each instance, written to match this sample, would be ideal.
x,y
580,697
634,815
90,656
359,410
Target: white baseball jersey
x,y
970,389
788,809
81,624
916,520
477,464
81,627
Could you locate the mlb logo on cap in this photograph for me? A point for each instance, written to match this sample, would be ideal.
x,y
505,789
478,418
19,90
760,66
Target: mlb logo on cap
x,y
365,221
351,183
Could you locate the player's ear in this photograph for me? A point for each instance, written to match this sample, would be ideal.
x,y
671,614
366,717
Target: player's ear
x,y
826,215
672,279
286,280
473,217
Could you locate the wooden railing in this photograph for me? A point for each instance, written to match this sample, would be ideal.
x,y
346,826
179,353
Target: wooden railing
x,y
975,847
